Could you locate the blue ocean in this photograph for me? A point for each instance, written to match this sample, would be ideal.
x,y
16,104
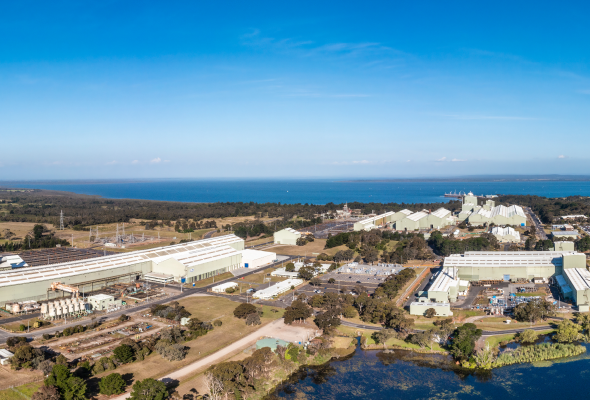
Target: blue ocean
x,y
319,191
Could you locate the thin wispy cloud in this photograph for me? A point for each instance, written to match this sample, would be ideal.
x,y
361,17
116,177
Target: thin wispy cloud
x,y
481,117
156,160
441,159
112,162
135,162
561,156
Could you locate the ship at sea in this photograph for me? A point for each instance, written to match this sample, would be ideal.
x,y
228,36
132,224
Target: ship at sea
x,y
455,195
460,195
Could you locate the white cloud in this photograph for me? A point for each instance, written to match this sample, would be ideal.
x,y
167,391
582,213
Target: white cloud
x,y
135,162
442,159
360,162
112,162
561,156
409,161
457,160
156,160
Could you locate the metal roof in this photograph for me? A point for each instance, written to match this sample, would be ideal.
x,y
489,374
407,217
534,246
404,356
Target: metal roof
x,y
291,230
578,277
506,259
193,251
441,213
565,288
508,231
445,279
406,211
417,216
375,218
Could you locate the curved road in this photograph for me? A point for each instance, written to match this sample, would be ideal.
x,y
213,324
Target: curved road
x,y
485,333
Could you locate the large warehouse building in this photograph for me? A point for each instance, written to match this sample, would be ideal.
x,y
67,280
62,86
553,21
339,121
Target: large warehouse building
x,y
490,213
380,220
192,261
286,236
426,220
567,268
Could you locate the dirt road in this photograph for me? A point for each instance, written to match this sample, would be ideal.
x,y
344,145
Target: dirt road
x,y
276,329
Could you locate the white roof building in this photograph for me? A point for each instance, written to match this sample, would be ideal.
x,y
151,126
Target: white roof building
x,y
507,234
9,262
277,289
222,287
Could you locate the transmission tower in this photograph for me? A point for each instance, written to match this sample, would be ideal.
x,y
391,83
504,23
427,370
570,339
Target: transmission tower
x,y
61,220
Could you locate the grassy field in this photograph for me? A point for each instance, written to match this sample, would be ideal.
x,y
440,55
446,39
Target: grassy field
x,y
20,392
15,325
494,341
317,246
531,294
206,308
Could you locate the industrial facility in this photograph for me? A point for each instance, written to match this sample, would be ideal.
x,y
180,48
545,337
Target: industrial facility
x,y
187,262
566,268
506,235
426,220
489,213
286,236
380,220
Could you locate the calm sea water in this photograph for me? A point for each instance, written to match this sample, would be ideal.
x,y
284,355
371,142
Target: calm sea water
x,y
408,375
307,191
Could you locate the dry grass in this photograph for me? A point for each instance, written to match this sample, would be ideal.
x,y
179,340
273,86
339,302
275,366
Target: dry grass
x,y
15,325
208,281
317,246
206,308
341,342
9,377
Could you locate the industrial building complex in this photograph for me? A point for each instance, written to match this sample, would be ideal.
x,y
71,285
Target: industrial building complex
x,y
187,262
567,268
489,213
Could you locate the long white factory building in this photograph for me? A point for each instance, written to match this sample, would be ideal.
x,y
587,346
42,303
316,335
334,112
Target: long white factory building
x,y
193,261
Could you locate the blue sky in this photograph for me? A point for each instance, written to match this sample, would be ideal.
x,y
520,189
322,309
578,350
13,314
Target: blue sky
x,y
302,89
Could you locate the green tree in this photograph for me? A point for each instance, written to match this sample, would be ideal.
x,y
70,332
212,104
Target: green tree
x,y
584,321
124,353
112,384
70,387
430,313
567,332
327,321
533,311
528,336
149,389
244,309
464,340
297,311
290,267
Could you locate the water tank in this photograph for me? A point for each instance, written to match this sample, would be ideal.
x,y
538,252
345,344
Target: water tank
x,y
70,308
68,301
56,304
62,302
52,312
76,307
58,311
44,308
15,308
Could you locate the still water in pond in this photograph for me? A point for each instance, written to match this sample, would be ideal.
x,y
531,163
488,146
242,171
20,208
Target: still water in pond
x,y
408,375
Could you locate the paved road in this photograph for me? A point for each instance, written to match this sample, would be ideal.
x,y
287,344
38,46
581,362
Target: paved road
x,y
540,232
186,292
485,333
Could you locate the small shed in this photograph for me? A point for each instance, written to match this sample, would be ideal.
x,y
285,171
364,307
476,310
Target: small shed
x,y
5,356
221,288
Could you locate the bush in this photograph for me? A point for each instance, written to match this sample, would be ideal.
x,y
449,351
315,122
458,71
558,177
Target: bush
x,y
230,290
217,322
149,389
243,310
124,353
253,319
171,352
112,384
22,328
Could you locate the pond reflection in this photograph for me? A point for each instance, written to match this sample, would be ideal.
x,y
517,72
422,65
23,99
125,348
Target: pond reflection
x,y
403,374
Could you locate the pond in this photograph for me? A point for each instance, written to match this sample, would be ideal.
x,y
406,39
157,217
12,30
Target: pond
x,y
407,375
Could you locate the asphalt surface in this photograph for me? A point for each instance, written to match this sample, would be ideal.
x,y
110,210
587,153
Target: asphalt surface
x,y
540,232
103,317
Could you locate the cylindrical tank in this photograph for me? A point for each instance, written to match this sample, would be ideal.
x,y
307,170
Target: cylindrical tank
x,y
44,308
52,312
62,302
58,311
15,308
70,308
68,301
76,307
56,303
